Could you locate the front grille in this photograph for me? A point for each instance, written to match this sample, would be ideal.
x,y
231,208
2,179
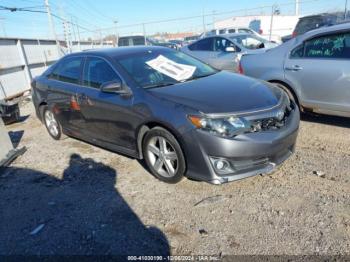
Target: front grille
x,y
276,121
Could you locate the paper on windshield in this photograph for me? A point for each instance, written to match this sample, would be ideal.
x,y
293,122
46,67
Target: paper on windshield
x,y
179,72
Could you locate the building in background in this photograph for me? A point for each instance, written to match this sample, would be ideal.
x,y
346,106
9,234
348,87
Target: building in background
x,y
281,25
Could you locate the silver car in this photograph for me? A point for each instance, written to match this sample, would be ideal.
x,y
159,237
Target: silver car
x,y
223,51
313,68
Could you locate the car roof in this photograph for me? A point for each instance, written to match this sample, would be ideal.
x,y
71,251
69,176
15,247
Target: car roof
x,y
318,15
326,29
119,51
226,35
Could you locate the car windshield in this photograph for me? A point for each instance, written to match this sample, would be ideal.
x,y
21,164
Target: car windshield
x,y
154,68
249,41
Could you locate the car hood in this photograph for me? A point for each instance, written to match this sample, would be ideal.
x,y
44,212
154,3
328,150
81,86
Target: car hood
x,y
222,92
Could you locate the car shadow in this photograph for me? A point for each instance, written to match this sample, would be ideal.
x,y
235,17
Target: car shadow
x,y
81,214
325,119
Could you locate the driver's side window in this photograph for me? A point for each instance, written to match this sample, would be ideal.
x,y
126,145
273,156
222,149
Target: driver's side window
x,y
97,72
220,44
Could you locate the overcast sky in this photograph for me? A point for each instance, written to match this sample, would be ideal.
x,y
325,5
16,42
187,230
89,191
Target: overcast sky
x,y
92,15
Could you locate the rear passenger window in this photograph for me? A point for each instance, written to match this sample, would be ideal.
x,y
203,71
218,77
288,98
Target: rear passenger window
x,y
330,46
68,70
97,72
297,52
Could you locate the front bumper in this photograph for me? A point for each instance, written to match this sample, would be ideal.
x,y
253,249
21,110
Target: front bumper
x,y
255,153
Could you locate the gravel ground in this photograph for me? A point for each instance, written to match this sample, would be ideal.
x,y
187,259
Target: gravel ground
x,y
69,197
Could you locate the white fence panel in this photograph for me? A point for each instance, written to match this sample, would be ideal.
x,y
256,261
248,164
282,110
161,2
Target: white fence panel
x,y
9,54
13,81
23,59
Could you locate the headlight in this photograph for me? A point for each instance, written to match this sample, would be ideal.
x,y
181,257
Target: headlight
x,y
225,127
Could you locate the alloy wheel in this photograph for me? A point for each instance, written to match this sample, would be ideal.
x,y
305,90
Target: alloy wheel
x,y
162,156
51,123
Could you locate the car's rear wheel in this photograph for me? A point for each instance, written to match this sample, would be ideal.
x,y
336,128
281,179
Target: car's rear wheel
x,y
163,155
52,125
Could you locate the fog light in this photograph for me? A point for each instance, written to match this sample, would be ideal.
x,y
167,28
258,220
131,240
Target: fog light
x,y
221,164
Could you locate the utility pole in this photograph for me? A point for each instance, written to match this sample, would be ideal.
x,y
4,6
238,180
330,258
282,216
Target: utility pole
x,y
214,19
144,33
116,32
203,20
73,30
3,26
52,25
271,24
101,39
346,9
297,7
78,32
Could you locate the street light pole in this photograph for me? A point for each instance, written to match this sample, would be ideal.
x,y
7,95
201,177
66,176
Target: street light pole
x,y
271,23
3,26
52,25
116,32
346,9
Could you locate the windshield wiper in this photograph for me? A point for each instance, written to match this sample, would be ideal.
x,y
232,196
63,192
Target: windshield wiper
x,y
197,77
159,85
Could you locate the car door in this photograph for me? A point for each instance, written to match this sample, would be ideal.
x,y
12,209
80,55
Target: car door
x,y
221,58
319,69
202,49
107,115
62,84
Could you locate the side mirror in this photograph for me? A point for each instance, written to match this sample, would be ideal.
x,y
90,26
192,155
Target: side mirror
x,y
230,49
115,86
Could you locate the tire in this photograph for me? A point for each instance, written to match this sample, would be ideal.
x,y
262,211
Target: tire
x,y
163,155
53,127
289,93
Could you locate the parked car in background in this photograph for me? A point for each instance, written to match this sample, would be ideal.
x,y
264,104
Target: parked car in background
x,y
191,39
308,23
134,40
231,30
177,43
313,68
141,40
180,115
223,52
164,44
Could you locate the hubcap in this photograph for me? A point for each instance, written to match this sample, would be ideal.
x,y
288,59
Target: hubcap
x,y
162,156
51,123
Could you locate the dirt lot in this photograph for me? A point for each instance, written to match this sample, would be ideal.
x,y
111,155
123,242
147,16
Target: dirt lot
x,y
68,197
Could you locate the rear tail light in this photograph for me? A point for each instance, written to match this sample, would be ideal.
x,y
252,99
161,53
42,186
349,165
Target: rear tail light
x,y
294,34
261,31
240,68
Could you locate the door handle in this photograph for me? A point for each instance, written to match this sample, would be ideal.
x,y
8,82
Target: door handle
x,y
294,68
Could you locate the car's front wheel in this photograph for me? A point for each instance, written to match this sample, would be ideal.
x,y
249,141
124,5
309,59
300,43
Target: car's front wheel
x,y
163,155
52,125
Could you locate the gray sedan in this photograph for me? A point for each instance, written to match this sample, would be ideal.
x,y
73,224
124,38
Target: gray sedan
x,y
313,68
223,51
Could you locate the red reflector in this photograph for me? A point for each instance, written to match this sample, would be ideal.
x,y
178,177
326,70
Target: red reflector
x,y
240,68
